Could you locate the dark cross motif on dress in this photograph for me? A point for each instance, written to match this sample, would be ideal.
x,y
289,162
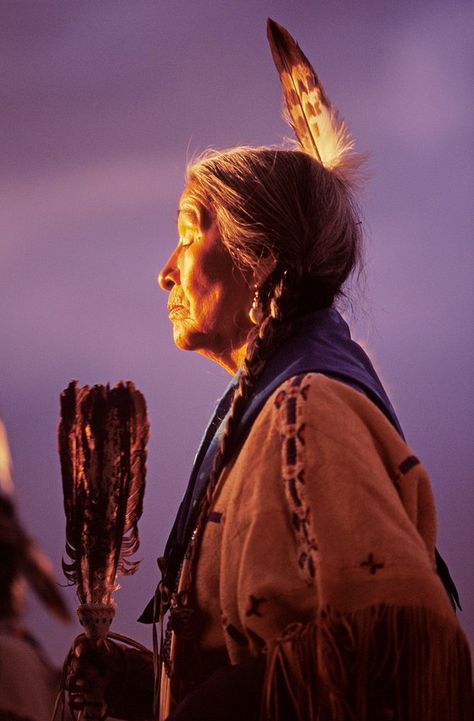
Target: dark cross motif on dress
x,y
255,604
370,562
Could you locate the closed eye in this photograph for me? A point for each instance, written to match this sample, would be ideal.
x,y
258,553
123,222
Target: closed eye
x,y
187,238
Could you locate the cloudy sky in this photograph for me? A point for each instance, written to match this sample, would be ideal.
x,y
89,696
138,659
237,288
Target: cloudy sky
x,y
102,105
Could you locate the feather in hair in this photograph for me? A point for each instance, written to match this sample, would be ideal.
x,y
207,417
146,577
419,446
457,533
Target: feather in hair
x,y
102,446
318,128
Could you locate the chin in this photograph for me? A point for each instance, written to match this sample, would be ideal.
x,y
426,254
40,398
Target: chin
x,y
206,344
187,339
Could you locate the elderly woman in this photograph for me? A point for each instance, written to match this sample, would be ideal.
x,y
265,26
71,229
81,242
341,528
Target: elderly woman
x,y
300,576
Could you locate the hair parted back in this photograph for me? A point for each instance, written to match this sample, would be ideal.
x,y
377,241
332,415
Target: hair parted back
x,y
284,206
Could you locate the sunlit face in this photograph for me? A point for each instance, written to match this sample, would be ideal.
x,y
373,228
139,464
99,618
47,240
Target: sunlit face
x,y
209,298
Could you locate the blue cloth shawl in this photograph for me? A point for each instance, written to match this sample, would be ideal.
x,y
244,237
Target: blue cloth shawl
x,y
321,343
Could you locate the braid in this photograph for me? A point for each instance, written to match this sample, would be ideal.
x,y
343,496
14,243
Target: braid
x,y
264,340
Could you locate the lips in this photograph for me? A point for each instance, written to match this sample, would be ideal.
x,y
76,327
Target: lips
x,y
176,310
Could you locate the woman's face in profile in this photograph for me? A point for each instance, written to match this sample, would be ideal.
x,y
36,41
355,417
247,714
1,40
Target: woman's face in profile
x,y
209,298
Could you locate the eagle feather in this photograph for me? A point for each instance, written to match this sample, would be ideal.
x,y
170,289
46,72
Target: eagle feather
x,y
316,123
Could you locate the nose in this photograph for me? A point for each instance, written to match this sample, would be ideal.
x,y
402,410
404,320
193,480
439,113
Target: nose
x,y
164,280
168,275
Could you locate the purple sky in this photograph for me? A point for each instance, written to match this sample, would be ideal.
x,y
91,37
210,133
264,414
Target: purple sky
x,y
102,104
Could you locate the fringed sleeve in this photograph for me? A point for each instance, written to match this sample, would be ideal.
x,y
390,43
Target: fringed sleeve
x,y
327,566
383,663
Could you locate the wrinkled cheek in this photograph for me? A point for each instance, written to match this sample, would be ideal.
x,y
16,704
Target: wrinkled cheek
x,y
215,265
206,309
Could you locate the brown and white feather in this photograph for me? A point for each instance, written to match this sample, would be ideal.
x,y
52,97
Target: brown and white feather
x,y
316,123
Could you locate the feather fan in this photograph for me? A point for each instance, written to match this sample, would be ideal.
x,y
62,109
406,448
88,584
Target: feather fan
x,y
318,128
102,445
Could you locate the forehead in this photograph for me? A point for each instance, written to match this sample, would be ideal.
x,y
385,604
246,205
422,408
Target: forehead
x,y
191,211
188,210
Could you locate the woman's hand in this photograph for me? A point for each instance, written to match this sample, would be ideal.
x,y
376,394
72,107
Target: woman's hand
x,y
122,675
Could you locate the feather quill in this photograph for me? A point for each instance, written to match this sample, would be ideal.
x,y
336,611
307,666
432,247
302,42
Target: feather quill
x,y
102,446
316,123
